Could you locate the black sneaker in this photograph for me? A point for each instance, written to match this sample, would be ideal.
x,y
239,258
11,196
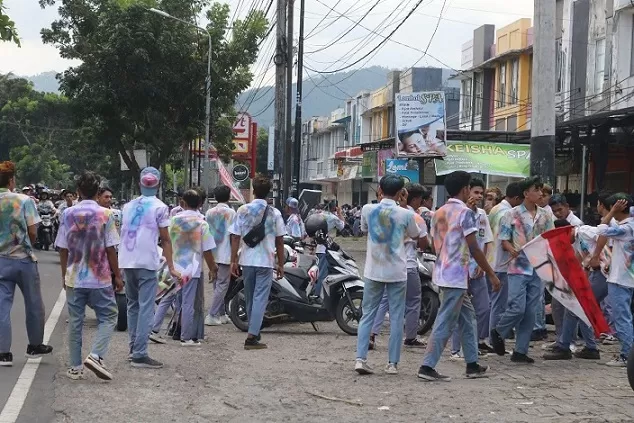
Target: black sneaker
x,y
539,335
6,359
483,346
431,375
254,344
37,351
498,342
558,353
146,363
477,371
585,353
521,358
414,343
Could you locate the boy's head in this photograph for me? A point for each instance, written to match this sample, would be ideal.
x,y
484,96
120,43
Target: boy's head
x,y
7,175
261,187
492,197
105,197
222,193
623,197
476,187
514,194
559,206
415,195
427,199
547,192
390,186
457,185
532,190
191,199
88,185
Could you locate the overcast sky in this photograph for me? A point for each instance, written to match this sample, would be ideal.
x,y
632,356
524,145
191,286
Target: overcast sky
x,y
459,19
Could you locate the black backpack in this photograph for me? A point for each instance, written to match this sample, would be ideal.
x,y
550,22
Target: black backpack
x,y
257,233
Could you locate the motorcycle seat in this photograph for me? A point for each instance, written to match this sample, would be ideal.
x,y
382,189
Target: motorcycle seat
x,y
297,272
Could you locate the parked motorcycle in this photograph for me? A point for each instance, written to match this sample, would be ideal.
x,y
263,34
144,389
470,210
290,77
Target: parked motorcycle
x,y
430,301
44,233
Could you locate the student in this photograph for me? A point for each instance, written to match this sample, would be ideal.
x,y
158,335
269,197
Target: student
x,y
561,210
519,226
192,241
86,240
219,219
387,225
454,233
294,225
621,277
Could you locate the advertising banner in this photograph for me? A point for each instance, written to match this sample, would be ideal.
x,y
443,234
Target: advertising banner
x,y
242,134
369,166
420,124
485,157
408,169
383,155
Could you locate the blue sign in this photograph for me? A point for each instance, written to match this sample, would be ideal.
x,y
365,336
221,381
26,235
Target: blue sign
x,y
408,169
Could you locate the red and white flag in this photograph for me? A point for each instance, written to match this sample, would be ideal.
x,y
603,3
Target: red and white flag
x,y
226,179
553,258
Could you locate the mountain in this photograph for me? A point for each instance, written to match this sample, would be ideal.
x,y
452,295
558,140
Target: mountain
x,y
45,82
322,94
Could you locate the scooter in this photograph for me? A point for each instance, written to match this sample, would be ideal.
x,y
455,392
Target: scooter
x,y
290,299
44,233
430,301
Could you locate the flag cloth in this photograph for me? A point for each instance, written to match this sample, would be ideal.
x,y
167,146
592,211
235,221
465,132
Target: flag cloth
x,y
553,258
226,179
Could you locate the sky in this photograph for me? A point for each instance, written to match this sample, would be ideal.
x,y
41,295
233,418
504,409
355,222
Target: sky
x,y
455,27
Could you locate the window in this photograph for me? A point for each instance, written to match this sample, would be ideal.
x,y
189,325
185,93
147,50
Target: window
x,y
599,65
502,86
466,98
515,76
511,123
479,93
500,124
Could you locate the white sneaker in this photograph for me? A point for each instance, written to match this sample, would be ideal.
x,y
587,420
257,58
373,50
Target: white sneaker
x,y
609,340
97,367
75,374
156,338
548,346
190,343
212,321
617,361
391,369
456,356
362,367
225,319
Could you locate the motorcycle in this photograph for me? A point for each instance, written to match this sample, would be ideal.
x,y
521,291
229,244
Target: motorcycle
x,y
44,233
291,298
430,301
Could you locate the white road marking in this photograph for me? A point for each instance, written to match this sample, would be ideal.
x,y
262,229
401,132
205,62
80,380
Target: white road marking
x,y
12,408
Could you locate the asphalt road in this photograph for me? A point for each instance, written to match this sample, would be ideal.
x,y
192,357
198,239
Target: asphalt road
x,y
38,405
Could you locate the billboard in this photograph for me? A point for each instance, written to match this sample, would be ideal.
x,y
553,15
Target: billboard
x,y
242,133
499,159
420,124
408,169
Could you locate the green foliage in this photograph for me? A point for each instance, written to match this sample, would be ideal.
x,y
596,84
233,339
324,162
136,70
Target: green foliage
x,y
262,152
38,163
7,27
141,83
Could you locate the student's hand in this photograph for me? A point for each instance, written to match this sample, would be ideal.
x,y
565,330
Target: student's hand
x,y
279,270
495,283
514,253
471,203
118,284
620,206
478,273
176,274
594,262
213,272
235,269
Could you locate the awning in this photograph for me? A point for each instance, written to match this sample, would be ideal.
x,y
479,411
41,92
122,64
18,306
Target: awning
x,y
349,153
343,120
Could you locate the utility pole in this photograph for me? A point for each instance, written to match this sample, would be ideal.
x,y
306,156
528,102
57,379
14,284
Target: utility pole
x,y
280,91
297,146
543,108
288,140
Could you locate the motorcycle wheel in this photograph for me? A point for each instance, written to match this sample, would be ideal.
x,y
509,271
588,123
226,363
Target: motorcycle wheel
x,y
429,305
345,313
238,311
122,319
630,368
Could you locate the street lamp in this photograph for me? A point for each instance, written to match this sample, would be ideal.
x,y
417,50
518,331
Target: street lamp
x,y
208,99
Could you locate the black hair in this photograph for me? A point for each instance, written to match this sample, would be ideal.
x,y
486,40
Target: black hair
x,y
514,189
88,184
261,187
391,184
103,190
533,181
558,199
202,195
456,182
560,223
426,193
191,198
621,196
414,191
476,182
603,199
222,193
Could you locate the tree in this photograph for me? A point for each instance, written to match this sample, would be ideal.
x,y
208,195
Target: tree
x,y
141,83
261,160
7,27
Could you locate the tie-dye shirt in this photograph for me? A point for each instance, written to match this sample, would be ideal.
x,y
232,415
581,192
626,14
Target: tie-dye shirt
x,y
496,256
247,217
295,226
519,227
141,220
17,213
387,225
585,244
190,236
86,230
622,236
450,226
483,236
219,219
175,211
411,245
